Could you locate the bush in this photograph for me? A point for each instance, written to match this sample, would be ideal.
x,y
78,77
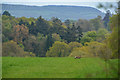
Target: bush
x,y
59,49
101,34
93,49
88,37
12,49
79,52
73,45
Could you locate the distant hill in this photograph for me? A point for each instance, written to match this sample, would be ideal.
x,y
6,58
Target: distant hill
x,y
61,11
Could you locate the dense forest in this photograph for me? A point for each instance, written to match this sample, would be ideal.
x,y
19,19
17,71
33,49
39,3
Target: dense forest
x,y
25,37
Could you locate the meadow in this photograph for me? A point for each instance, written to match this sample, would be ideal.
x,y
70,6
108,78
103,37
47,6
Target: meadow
x,y
58,67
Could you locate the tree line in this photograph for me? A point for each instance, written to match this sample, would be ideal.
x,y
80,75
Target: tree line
x,y
54,38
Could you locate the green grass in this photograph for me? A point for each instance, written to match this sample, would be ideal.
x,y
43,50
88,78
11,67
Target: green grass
x,y
65,67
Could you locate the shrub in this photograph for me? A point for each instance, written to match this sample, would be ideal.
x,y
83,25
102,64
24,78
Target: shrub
x,y
79,52
93,49
59,49
12,49
74,45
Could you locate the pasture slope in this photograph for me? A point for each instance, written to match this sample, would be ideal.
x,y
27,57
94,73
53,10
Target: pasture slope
x,y
62,67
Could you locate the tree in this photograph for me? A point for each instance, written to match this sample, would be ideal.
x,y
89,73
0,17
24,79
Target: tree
x,y
86,39
97,23
20,33
84,25
106,19
58,49
71,34
102,34
49,41
78,52
29,43
21,22
89,36
67,23
6,28
40,48
12,49
98,49
56,21
93,49
104,52
25,21
56,37
73,45
32,28
92,34
36,45
79,29
57,27
6,13
113,39
42,26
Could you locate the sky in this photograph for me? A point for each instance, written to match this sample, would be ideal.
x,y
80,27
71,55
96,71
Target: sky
x,y
59,0
91,3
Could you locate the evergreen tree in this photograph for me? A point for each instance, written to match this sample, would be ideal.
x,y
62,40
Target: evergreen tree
x,y
71,34
67,23
49,41
79,33
56,21
42,26
21,22
32,29
6,13
106,19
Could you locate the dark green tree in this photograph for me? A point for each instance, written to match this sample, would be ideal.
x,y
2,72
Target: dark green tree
x,y
6,13
67,23
97,23
35,45
56,21
23,22
42,26
49,41
71,34
57,27
106,19
32,29
79,29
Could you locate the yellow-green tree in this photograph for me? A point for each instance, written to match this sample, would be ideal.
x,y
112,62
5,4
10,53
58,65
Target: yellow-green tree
x,y
92,49
80,52
96,23
7,23
58,49
11,48
113,39
73,45
89,36
102,34
56,37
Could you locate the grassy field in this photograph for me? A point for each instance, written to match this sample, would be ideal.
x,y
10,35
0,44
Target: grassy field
x,y
15,67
